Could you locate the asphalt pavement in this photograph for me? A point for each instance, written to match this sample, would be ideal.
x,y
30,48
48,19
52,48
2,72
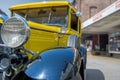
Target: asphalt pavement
x,y
102,68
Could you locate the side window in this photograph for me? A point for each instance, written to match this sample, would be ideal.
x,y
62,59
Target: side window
x,y
74,21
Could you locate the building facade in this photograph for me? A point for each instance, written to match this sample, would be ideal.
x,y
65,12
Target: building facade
x,y
89,8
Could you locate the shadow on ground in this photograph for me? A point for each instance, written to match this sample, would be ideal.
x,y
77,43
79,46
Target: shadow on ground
x,y
105,54
94,74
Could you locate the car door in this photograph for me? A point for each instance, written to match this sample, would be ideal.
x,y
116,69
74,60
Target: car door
x,y
73,28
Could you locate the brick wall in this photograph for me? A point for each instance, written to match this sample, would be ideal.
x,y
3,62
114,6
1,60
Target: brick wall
x,y
91,7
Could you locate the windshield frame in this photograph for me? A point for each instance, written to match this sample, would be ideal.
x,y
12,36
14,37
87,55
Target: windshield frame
x,y
13,13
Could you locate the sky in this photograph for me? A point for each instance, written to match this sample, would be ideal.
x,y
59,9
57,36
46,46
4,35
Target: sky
x,y
5,4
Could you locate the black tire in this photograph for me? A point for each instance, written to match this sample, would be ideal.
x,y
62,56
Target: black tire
x,y
85,58
82,71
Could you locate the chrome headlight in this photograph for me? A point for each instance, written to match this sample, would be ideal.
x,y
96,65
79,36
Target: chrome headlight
x,y
15,32
4,62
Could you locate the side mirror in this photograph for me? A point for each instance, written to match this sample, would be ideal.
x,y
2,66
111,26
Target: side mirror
x,y
63,29
78,14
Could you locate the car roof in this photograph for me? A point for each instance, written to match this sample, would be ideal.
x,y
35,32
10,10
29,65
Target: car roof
x,y
39,4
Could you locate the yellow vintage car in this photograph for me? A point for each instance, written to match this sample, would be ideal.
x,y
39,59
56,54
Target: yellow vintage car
x,y
50,31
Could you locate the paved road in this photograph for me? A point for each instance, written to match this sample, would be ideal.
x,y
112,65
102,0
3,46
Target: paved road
x,y
103,68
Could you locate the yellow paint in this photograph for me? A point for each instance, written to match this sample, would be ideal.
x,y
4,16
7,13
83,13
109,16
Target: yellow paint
x,y
1,21
40,4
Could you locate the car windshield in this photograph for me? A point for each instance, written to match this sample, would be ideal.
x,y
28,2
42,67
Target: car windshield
x,y
54,16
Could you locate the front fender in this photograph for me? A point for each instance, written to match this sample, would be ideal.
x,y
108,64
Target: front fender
x,y
54,64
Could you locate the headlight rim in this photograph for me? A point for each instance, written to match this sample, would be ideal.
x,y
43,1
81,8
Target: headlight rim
x,y
27,30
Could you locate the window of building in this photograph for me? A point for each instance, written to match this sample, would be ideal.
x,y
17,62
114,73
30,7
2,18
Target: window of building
x,y
114,42
92,11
